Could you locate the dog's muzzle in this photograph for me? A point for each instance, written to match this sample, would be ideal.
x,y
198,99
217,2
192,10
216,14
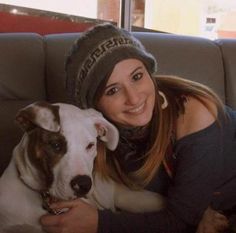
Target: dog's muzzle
x,y
81,185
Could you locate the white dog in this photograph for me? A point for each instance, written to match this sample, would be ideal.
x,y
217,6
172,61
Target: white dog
x,y
54,159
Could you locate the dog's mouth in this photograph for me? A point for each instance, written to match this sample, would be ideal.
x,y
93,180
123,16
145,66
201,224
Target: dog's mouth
x,y
48,199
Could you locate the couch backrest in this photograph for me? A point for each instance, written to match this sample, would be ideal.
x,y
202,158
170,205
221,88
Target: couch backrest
x,y
22,81
228,49
189,57
32,69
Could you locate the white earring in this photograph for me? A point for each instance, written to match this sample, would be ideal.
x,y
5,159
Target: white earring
x,y
165,102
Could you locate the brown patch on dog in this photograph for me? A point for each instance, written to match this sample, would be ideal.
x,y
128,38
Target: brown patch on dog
x,y
25,119
45,149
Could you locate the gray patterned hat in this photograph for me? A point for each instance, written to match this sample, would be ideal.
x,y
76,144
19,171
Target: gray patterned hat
x,y
93,57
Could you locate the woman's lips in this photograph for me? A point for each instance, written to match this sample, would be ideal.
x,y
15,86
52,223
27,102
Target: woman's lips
x,y
137,110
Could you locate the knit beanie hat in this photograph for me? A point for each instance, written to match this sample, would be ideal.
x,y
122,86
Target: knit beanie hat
x,y
93,57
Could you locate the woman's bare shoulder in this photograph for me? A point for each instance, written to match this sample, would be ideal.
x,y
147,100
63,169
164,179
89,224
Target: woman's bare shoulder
x,y
196,117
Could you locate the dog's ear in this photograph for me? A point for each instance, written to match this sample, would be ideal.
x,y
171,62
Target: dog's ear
x,y
107,132
39,114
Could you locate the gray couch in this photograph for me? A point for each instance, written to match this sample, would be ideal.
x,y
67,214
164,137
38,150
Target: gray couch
x,y
32,69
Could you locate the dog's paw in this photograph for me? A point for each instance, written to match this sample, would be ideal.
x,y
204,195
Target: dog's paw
x,y
138,201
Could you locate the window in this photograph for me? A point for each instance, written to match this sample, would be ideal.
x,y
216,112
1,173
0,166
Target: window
x,y
206,18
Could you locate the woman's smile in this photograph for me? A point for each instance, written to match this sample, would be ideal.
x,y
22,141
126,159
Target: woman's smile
x,y
137,110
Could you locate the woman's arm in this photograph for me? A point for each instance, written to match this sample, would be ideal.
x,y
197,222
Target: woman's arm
x,y
198,168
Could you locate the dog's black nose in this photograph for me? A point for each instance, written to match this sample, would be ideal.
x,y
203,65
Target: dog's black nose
x,y
81,185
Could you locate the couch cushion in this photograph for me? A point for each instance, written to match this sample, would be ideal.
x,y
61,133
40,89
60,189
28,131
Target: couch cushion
x,y
193,58
21,66
228,48
22,81
57,47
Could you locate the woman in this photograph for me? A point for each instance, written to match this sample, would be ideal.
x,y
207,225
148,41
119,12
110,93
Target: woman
x,y
176,138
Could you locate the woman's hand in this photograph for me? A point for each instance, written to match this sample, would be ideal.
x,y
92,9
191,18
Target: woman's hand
x,y
80,218
212,222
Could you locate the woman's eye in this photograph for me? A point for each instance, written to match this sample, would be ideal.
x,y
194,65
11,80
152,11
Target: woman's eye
x,y
90,145
137,76
112,91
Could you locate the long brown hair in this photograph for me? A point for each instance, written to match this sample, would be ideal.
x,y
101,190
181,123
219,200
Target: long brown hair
x,y
175,90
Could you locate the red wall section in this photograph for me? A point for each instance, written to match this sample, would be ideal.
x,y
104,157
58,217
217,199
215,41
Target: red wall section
x,y
39,24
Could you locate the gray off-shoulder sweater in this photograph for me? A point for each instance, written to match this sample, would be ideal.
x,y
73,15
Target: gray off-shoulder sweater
x,y
205,174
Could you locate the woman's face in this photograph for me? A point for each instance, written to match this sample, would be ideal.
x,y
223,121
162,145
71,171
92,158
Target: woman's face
x,y
129,95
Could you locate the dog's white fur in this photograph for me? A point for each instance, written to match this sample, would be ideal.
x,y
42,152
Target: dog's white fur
x,y
20,200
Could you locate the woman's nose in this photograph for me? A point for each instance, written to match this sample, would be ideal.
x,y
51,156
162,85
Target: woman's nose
x,y
132,96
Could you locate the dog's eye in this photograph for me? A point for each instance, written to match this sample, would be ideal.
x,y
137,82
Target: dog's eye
x,y
56,146
90,145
